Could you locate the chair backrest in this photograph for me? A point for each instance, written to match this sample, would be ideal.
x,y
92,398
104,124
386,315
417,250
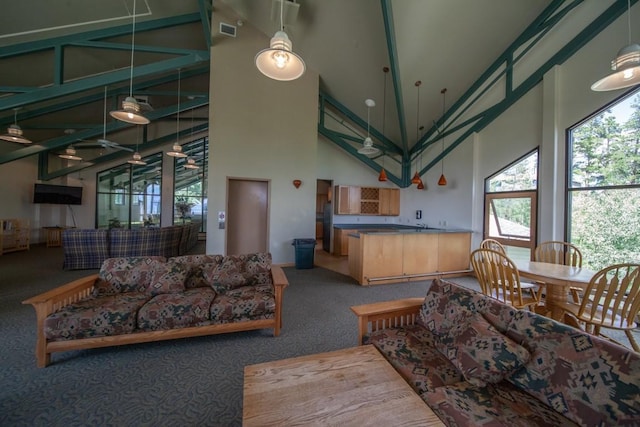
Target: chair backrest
x,y
557,252
616,289
498,276
492,244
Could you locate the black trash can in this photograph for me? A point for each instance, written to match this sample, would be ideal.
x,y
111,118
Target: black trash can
x,y
305,248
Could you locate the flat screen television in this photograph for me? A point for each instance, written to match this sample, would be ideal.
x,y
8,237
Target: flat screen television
x,y
57,194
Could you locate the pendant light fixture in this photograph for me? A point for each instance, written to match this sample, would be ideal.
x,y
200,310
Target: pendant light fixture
x,y
626,66
191,164
130,111
383,175
136,159
416,176
279,62
442,181
367,145
70,154
14,132
176,150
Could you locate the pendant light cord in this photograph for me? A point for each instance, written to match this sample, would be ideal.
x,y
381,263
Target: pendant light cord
x,y
281,15
133,41
178,113
629,18
104,118
444,95
418,84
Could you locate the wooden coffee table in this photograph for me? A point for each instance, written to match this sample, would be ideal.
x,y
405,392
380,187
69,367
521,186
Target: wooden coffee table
x,y
354,386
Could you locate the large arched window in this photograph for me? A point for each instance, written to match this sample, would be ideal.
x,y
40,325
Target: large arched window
x,y
603,184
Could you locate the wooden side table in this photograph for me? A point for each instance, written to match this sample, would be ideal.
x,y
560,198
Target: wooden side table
x,y
54,236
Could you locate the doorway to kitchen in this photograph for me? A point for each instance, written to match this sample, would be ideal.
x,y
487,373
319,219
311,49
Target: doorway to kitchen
x,y
324,212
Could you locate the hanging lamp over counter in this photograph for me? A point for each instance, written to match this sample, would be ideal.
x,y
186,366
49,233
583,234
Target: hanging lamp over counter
x,y
367,145
442,181
130,112
416,176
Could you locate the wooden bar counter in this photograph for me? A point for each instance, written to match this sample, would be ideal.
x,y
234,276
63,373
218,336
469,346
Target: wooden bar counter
x,y
377,257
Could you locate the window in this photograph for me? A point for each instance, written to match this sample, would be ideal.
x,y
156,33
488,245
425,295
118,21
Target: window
x,y
128,196
190,187
603,191
510,207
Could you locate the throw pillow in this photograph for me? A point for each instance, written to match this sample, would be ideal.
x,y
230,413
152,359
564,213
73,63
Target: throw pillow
x,y
167,278
481,353
445,309
227,275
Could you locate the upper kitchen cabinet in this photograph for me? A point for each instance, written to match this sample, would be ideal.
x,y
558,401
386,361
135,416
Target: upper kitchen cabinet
x,y
347,200
389,202
351,200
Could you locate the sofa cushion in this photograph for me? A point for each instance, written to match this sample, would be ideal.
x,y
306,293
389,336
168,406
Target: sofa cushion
x,y
258,267
95,317
84,249
502,404
586,378
411,351
227,275
244,303
120,275
196,265
482,353
167,277
176,310
446,308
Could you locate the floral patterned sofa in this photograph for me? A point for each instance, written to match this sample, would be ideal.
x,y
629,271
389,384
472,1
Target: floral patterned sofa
x,y
142,299
478,362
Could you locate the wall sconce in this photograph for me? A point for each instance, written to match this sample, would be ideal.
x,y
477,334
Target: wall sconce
x,y
297,183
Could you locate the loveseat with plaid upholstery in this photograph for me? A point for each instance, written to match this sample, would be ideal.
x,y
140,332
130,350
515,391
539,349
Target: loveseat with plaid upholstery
x,y
142,299
478,362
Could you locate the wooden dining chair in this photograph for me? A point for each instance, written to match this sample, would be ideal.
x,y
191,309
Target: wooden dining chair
x,y
559,252
535,289
499,278
611,300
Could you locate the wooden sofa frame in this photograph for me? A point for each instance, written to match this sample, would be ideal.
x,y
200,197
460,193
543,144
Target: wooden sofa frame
x,y
386,314
51,301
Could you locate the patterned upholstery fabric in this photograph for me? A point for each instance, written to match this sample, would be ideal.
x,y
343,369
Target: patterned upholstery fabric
x,y
196,265
586,378
411,350
502,404
119,275
135,242
482,353
243,303
170,240
167,278
179,310
258,267
95,317
84,249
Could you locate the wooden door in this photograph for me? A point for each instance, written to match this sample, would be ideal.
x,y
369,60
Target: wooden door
x,y
247,216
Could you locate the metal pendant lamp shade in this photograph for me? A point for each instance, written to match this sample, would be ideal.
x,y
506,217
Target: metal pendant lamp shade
x,y
279,62
420,185
14,132
136,159
625,67
70,154
383,175
367,145
191,164
130,111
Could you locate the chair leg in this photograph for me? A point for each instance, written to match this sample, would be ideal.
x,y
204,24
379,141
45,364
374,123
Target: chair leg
x,y
632,340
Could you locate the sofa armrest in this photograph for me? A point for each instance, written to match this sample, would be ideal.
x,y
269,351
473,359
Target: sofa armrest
x,y
280,282
386,314
50,301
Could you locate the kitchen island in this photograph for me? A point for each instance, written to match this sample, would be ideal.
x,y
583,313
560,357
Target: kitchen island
x,y
390,256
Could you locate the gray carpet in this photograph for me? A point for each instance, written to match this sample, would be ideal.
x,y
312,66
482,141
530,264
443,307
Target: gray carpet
x,y
188,382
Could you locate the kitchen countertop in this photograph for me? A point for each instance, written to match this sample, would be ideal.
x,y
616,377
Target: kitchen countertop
x,y
395,229
359,226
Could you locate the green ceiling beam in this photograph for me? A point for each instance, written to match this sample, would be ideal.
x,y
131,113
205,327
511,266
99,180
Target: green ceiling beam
x,y
206,15
119,154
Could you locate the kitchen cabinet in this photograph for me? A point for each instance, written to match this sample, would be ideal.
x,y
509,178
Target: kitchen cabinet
x,y
341,241
391,257
389,201
347,200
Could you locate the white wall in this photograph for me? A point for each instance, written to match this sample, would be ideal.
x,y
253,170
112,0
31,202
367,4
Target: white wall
x,y
261,129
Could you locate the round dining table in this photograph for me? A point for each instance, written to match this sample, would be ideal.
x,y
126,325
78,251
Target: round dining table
x,y
557,279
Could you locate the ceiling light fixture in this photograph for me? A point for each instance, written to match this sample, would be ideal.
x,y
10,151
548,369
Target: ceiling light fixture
x,y
191,164
383,175
416,176
130,111
176,150
70,154
279,62
367,145
626,66
14,132
442,181
136,159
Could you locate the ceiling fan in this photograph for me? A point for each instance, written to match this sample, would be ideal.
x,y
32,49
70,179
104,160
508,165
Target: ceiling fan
x,y
104,142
